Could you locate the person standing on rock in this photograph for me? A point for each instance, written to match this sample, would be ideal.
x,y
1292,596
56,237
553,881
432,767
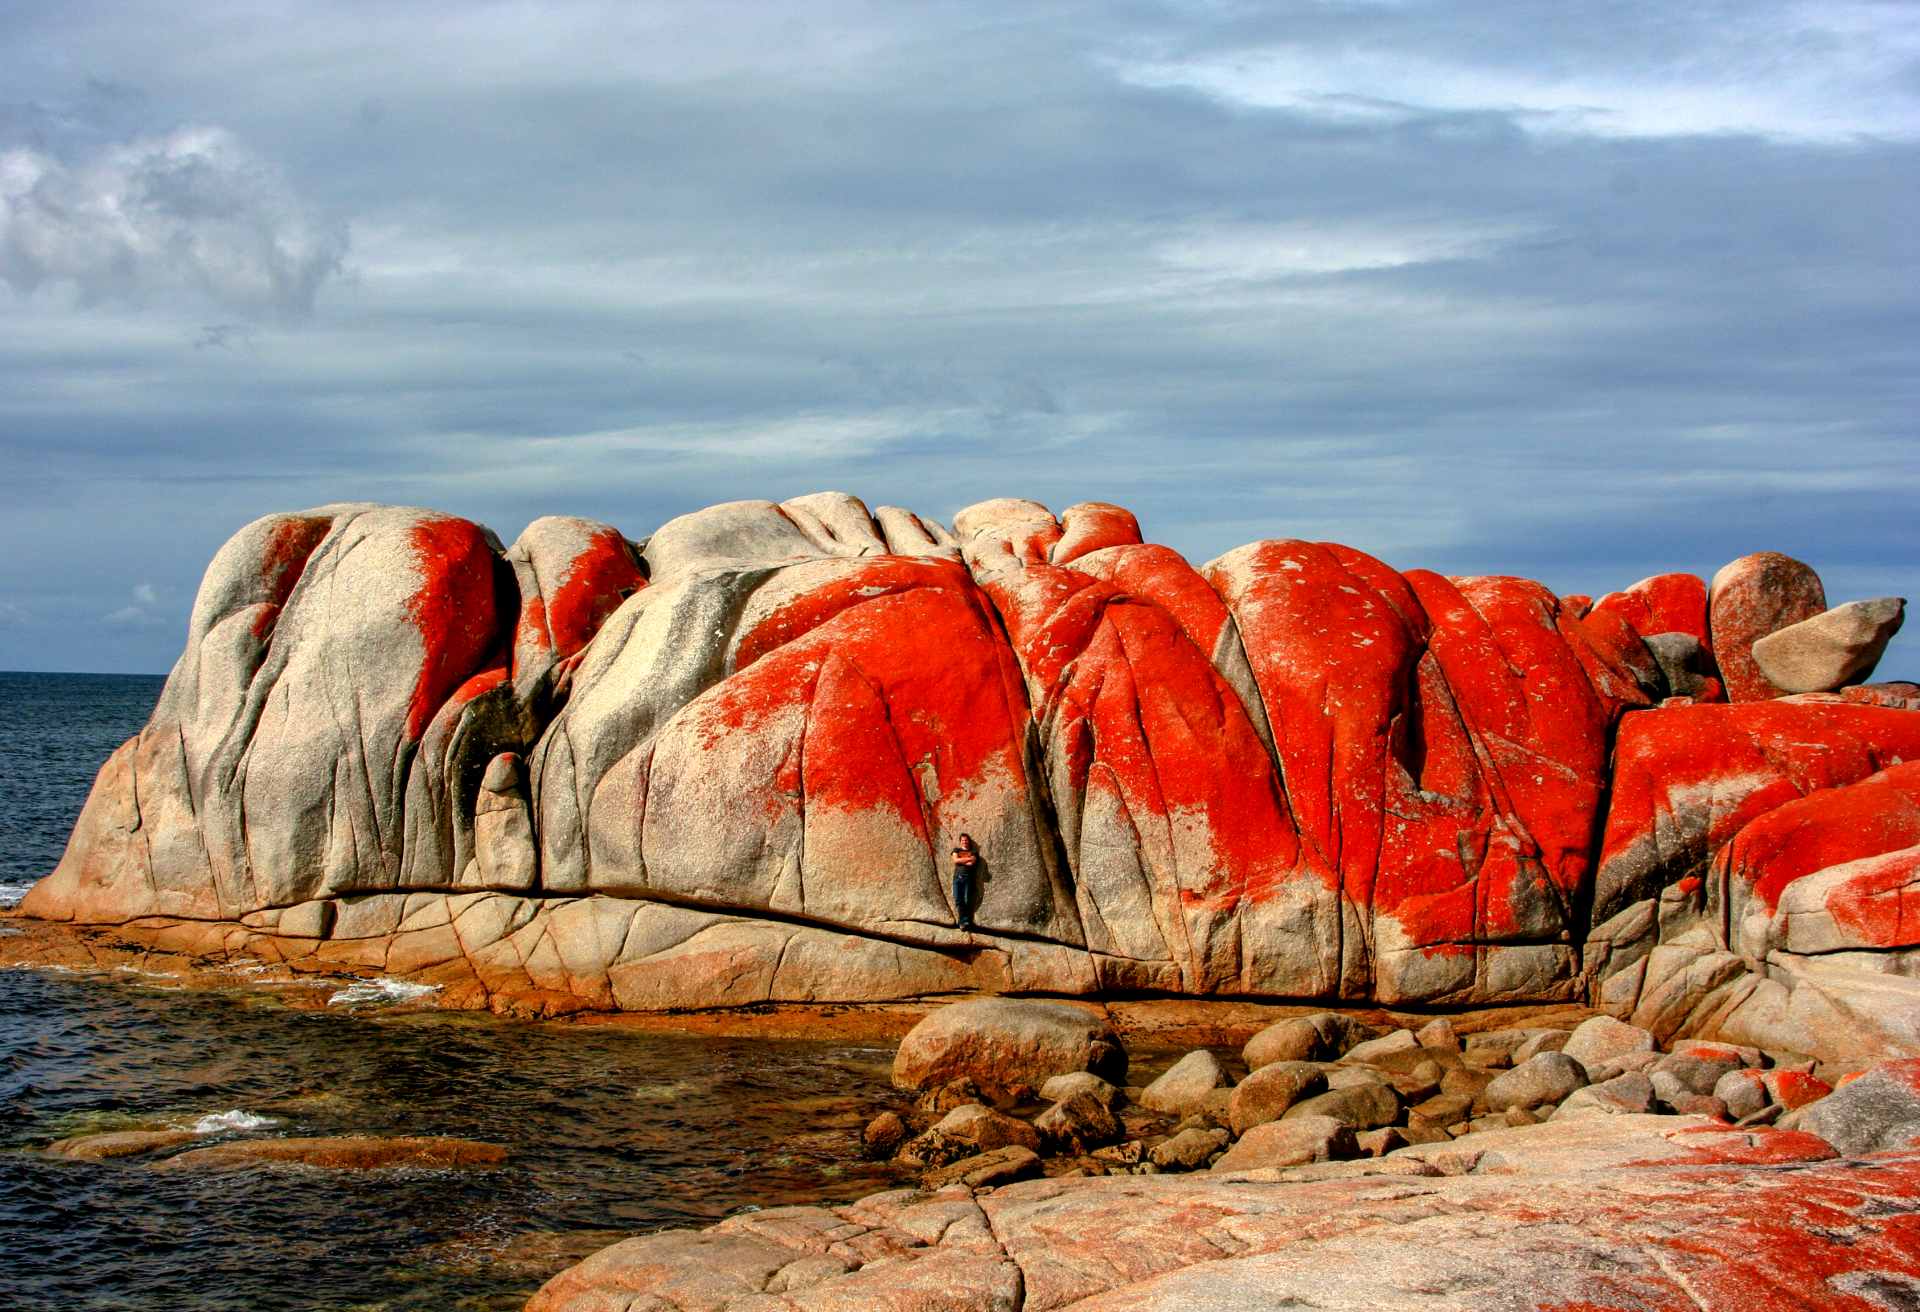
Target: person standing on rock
x,y
966,856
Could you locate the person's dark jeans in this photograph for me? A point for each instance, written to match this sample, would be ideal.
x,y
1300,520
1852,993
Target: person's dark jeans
x,y
963,896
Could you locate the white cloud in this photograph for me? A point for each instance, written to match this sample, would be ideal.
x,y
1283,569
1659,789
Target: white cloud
x,y
1810,73
192,210
145,595
14,615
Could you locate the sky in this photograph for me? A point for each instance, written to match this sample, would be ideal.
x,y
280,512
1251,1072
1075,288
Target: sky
x,y
1583,292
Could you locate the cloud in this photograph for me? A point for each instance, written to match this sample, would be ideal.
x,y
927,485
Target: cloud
x,y
14,615
1828,72
188,210
144,594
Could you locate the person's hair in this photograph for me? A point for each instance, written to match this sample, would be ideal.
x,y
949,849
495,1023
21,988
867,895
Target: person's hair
x,y
966,838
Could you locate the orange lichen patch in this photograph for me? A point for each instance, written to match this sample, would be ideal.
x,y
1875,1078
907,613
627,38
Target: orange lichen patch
x,y
1829,827
289,546
452,607
904,666
1686,779
1665,603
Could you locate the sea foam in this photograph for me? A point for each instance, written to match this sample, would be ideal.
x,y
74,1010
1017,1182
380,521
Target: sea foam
x,y
379,991
219,1122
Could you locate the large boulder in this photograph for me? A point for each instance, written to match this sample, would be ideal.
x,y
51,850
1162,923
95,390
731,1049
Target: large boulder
x,y
1008,1045
1186,1085
1834,648
1752,597
1540,1081
1878,1112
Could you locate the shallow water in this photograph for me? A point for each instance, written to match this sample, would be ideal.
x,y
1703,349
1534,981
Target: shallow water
x,y
612,1132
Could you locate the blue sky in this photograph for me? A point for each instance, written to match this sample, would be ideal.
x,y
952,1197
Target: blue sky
x,y
1583,292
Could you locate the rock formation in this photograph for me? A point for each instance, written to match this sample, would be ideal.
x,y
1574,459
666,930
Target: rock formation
x,y
724,766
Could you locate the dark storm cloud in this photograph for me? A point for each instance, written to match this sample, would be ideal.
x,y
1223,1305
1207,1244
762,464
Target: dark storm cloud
x,y
1578,291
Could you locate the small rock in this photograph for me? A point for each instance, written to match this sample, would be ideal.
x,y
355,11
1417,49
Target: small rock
x,y
883,1135
1466,1080
1743,1092
1699,1104
1378,1143
1129,1153
1188,1150
1542,1041
1495,1049
1877,1112
1398,1041
1834,648
1632,1092
1266,1094
1601,1039
1079,1123
1345,1077
966,1131
1185,1086
1697,1070
1517,1116
985,1169
1359,1107
1542,1079
1437,1033
1062,1087
1443,1109
1420,1083
1292,1142
1293,1039
943,1098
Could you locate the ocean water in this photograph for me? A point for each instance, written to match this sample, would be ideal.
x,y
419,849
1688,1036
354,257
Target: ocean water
x,y
612,1132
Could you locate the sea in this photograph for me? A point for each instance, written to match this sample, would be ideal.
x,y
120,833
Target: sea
x,y
612,1132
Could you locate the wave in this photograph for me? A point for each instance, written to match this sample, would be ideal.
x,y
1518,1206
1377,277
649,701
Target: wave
x,y
12,893
243,1121
380,991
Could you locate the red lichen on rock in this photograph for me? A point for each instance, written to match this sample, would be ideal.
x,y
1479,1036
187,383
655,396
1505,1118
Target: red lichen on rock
x,y
291,542
1825,828
453,608
1686,779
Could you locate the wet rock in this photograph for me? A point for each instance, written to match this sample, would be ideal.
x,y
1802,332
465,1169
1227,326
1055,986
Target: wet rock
x,y
1292,1142
345,1153
1007,1044
117,1143
1627,1094
1537,1082
968,1130
1877,1112
1267,1093
1078,1124
1188,1150
1602,1039
1832,649
938,1101
985,1170
884,1135
1186,1085
1360,1107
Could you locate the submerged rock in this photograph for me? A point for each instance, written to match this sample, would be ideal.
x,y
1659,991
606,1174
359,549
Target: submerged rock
x,y
344,1153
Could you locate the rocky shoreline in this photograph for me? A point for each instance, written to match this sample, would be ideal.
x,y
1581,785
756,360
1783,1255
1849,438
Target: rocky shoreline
x,y
1351,1167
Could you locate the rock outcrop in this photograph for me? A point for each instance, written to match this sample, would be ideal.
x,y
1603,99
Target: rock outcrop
x,y
724,766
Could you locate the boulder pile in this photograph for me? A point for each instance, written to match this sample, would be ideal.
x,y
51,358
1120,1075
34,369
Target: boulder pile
x,y
1325,1087
1347,1169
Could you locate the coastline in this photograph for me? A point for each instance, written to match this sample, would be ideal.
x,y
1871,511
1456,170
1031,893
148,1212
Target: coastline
x,y
1147,1024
